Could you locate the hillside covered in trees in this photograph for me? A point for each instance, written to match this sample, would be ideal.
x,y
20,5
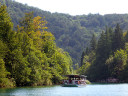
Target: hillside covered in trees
x,y
32,43
72,33
29,55
107,57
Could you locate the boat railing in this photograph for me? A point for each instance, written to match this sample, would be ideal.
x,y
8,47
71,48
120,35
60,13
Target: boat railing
x,y
74,81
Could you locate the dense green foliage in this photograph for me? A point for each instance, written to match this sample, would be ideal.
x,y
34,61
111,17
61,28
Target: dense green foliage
x,y
109,59
29,55
31,45
72,33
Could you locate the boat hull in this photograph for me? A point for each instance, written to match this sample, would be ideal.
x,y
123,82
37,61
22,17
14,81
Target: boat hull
x,y
73,85
70,85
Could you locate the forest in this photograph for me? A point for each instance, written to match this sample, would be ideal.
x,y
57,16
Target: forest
x,y
29,56
72,33
106,57
39,47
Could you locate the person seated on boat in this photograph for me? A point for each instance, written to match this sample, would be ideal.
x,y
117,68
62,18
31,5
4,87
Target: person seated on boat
x,y
76,82
70,81
65,82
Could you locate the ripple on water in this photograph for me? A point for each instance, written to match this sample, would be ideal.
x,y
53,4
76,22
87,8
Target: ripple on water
x,y
89,90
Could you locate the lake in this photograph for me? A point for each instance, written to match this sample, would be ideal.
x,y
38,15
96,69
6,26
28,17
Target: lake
x,y
89,90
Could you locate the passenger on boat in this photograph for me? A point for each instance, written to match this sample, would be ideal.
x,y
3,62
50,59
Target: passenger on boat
x,y
70,81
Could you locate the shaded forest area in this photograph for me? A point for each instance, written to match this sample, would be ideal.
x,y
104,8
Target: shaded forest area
x,y
29,55
72,33
106,60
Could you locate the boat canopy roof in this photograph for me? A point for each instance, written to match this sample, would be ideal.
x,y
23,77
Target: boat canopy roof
x,y
76,76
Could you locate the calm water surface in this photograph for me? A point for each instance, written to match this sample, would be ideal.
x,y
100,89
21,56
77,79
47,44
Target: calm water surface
x,y
89,90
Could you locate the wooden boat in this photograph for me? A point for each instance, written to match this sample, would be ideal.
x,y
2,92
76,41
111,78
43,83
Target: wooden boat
x,y
74,81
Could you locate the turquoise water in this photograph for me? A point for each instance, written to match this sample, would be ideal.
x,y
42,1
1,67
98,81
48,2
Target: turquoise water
x,y
89,90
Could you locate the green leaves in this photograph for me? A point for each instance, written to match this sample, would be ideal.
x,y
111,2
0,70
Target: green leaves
x,y
4,80
30,55
6,25
93,43
117,63
110,57
118,39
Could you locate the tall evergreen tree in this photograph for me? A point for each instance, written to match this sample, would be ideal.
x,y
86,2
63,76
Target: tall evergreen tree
x,y
87,50
126,37
82,58
108,42
102,53
93,43
101,46
118,40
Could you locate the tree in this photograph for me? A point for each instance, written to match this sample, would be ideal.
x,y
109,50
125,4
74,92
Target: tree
x,y
98,69
93,43
126,37
7,43
4,81
82,58
6,25
30,55
118,40
87,51
84,69
117,63
41,53
27,23
108,41
100,52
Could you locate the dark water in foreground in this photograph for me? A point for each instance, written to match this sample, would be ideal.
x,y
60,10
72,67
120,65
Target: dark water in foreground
x,y
89,90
